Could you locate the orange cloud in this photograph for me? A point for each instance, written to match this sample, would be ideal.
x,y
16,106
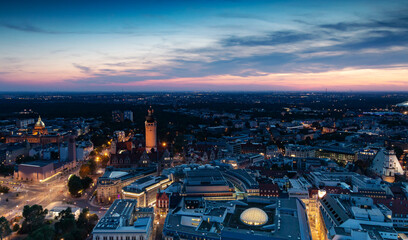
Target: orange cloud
x,y
355,79
386,79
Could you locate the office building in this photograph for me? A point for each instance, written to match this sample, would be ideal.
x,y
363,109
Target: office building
x,y
145,189
121,222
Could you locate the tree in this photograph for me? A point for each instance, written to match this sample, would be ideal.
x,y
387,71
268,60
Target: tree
x,y
33,218
66,224
4,227
43,233
316,125
92,153
86,222
229,123
16,227
6,170
398,151
67,228
86,182
105,161
4,189
92,166
84,171
55,155
23,159
74,185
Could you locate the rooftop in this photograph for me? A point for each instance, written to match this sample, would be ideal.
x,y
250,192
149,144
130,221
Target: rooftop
x,y
254,216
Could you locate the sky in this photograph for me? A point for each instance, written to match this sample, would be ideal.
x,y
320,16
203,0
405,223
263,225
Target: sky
x,y
288,45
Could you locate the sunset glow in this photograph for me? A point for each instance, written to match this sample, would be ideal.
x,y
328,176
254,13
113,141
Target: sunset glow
x,y
205,45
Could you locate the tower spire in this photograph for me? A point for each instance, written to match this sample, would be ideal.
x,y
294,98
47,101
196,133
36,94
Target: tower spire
x,y
151,132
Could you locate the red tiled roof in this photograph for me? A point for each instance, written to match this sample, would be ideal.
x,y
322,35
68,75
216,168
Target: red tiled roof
x,y
396,206
336,190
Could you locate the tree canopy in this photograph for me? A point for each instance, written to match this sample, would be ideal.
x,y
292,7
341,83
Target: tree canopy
x,y
33,218
76,185
4,227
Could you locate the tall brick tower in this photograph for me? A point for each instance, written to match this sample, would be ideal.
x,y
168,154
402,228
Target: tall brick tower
x,y
151,133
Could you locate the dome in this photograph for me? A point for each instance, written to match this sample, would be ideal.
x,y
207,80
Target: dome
x,y
39,123
254,217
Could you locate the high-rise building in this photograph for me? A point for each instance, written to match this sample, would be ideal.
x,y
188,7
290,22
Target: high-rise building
x,y
120,136
234,148
23,123
71,149
117,116
151,131
128,115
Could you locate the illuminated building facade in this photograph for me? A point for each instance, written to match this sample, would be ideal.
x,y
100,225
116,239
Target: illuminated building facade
x,y
151,131
145,190
39,128
39,135
109,186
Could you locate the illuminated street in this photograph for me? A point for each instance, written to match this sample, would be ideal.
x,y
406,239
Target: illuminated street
x,y
43,194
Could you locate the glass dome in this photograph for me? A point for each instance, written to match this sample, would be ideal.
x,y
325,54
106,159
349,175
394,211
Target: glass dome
x,y
254,217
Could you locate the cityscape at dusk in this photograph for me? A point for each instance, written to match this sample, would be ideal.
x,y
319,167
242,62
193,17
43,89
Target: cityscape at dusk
x,y
204,120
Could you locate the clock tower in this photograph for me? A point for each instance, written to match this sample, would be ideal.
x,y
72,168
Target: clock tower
x,y
151,131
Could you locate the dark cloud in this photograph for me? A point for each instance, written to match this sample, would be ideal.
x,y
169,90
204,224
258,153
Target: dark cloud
x,y
274,38
109,79
242,16
83,69
343,26
355,60
242,66
119,64
377,39
396,21
34,29
27,28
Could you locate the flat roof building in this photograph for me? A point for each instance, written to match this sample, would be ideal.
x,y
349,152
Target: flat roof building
x,y
253,218
145,189
207,183
121,222
354,218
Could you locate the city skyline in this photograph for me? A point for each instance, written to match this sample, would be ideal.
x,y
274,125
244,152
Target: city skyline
x,y
204,46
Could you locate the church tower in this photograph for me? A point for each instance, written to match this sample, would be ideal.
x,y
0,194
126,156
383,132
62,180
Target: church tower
x,y
151,133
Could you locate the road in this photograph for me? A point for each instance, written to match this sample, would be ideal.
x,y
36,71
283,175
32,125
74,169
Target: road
x,y
158,225
54,190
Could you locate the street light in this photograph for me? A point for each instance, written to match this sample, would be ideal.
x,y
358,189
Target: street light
x,y
164,144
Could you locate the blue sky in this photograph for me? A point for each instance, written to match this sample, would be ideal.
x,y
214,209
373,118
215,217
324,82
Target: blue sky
x,y
203,45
